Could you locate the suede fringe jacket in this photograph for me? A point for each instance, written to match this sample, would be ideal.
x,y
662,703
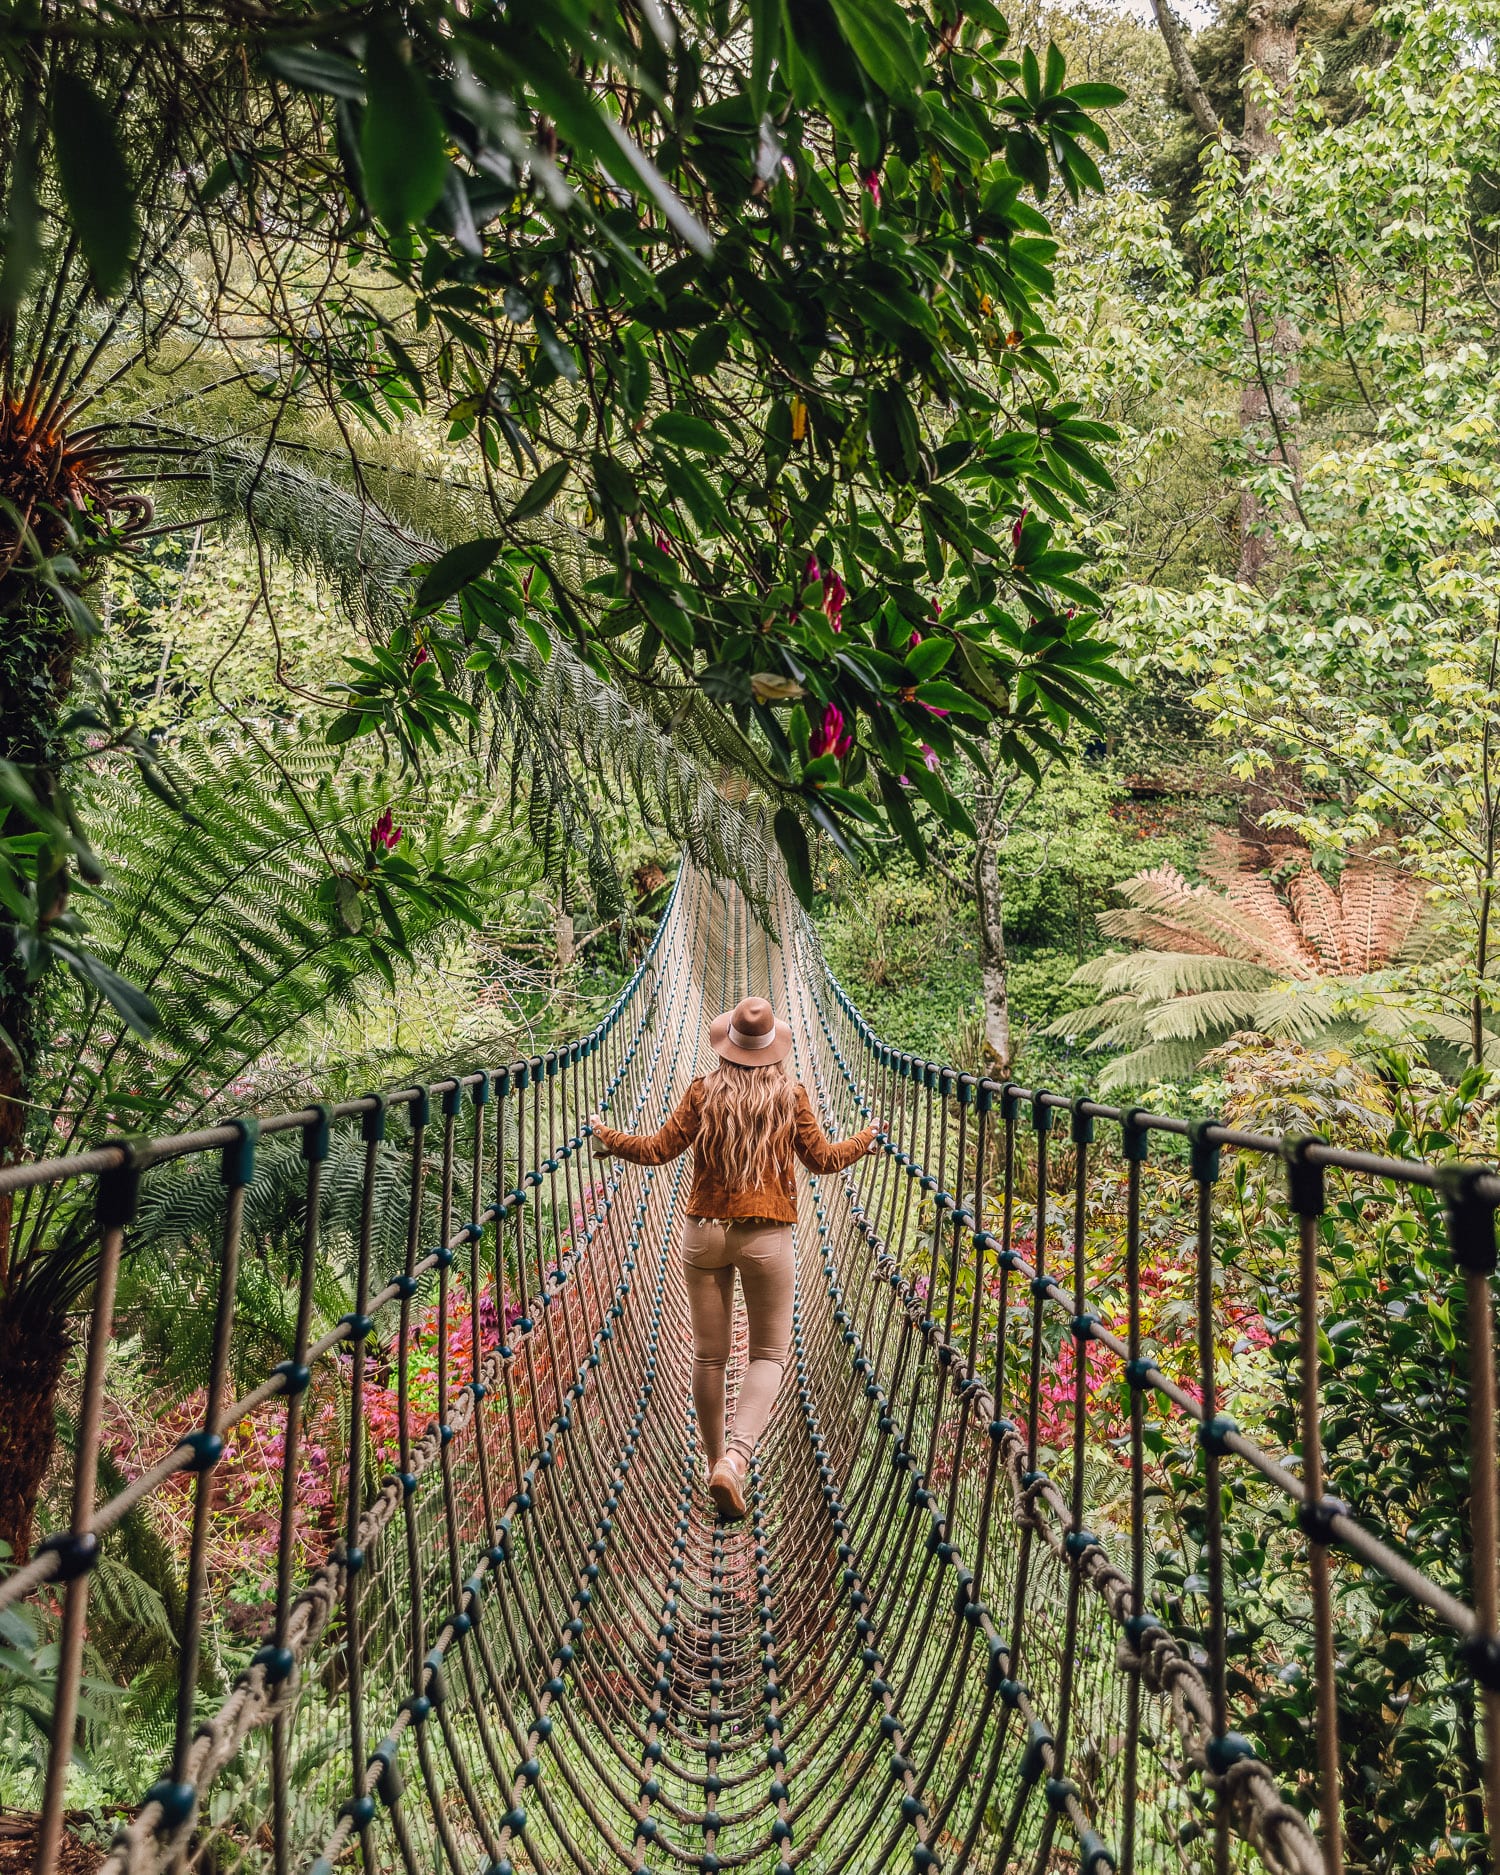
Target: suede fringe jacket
x,y
712,1194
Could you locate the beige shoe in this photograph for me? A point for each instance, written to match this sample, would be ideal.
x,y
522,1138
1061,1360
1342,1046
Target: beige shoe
x,y
726,1486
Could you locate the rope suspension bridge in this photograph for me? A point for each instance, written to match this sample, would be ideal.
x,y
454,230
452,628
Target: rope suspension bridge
x,y
532,1647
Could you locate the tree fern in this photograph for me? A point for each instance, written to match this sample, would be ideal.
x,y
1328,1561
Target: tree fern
x,y
1281,952
229,918
226,918
562,729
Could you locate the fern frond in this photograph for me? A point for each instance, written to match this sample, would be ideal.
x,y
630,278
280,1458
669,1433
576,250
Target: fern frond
x,y
1117,1022
1144,1067
1320,915
1154,976
1195,1018
228,919
570,731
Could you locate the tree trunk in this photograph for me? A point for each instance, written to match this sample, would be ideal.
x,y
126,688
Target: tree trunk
x,y
565,947
1477,1036
1268,401
37,648
33,1351
994,967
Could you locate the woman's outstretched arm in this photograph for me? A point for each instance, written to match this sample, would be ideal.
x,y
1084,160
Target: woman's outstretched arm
x,y
652,1148
816,1150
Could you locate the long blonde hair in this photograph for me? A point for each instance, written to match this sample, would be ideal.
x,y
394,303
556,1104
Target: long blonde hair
x,y
746,1118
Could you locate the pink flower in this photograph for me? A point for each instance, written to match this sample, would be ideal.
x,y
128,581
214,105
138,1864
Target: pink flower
x,y
831,737
871,181
913,641
422,656
663,542
1015,532
930,757
385,834
835,592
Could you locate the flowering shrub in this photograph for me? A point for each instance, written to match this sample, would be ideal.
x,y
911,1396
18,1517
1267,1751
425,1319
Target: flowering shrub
x,y
245,1529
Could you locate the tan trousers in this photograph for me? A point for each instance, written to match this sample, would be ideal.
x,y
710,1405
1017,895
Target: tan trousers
x,y
762,1253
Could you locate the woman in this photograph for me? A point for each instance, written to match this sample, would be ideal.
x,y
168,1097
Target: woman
x,y
744,1122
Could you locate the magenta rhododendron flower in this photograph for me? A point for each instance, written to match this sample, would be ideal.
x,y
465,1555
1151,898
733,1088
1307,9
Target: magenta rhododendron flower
x,y
385,833
831,737
871,181
1015,532
835,592
931,758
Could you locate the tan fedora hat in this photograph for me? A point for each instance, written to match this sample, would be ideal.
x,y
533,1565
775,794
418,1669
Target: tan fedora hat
x,y
750,1035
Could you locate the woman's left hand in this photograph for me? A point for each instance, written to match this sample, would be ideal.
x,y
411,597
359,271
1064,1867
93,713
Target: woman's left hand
x,y
595,1122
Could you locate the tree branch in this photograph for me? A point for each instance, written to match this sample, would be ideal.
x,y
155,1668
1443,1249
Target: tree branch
x,y
1204,114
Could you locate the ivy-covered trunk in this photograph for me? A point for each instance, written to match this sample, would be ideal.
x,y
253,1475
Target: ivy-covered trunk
x,y
994,966
38,646
33,1350
1268,400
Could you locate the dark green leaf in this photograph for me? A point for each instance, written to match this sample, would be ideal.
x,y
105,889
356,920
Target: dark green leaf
x,y
1028,159
23,247
540,492
893,431
392,918
726,683
706,352
791,837
346,726
680,431
133,1005
941,695
898,808
881,39
402,144
928,658
454,571
615,483
765,38
312,70
1095,97
95,184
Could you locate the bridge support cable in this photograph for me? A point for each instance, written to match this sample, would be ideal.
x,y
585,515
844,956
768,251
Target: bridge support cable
x,y
519,1640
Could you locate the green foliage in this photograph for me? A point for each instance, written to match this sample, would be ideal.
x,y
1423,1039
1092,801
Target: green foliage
x,y
1280,951
1394,1359
1364,666
278,893
757,407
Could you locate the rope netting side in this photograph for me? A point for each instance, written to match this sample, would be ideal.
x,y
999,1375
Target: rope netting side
x,y
1128,1732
